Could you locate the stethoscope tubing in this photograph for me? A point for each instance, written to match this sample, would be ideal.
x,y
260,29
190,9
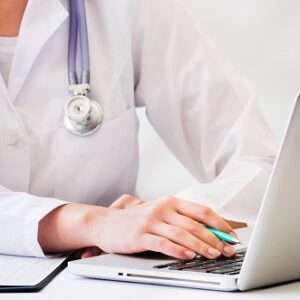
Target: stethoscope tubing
x,y
72,48
82,115
78,32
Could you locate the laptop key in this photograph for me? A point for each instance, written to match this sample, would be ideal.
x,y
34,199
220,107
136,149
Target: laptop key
x,y
163,266
225,271
234,272
170,265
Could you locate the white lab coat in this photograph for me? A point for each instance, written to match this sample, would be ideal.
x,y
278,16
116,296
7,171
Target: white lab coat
x,y
148,53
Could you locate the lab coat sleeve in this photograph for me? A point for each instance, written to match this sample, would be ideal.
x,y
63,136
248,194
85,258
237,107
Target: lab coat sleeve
x,y
203,110
20,214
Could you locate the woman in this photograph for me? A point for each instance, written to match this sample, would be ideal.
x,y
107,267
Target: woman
x,y
62,192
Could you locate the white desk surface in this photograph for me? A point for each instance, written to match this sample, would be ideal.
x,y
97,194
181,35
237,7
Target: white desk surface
x,y
67,286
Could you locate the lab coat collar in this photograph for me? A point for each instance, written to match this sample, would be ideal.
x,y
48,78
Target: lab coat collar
x,y
41,20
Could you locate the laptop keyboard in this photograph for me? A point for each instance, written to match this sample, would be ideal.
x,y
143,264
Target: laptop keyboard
x,y
222,265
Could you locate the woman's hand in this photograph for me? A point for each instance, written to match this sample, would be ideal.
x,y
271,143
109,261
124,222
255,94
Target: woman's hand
x,y
169,225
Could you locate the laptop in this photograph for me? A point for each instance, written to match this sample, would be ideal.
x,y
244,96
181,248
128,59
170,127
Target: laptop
x,y
272,255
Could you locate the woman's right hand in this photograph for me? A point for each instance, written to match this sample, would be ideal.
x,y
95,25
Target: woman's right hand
x,y
169,225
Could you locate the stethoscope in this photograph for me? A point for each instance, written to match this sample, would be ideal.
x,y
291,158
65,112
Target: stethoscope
x,y
82,115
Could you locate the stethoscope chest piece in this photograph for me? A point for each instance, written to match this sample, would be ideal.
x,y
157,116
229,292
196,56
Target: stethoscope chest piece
x,y
82,116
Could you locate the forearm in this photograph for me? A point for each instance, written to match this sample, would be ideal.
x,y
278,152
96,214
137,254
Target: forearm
x,y
68,228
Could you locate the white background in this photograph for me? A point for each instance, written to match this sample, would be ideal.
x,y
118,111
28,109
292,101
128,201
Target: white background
x,y
261,38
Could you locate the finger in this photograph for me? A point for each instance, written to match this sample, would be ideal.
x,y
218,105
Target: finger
x,y
126,201
185,239
90,252
200,232
202,214
160,244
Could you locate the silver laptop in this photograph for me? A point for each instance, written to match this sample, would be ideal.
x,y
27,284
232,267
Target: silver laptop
x,y
271,257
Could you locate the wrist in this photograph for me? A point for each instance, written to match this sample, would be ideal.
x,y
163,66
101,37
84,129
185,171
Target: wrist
x,y
70,227
92,222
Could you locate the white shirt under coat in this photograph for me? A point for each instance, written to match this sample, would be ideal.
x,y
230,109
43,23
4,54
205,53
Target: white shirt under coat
x,y
148,53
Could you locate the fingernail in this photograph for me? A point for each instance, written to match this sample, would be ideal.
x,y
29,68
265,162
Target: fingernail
x,y
229,251
214,253
189,254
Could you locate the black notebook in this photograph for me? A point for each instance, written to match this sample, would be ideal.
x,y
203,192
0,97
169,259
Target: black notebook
x,y
27,274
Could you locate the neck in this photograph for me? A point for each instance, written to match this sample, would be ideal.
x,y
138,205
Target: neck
x,y
11,13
